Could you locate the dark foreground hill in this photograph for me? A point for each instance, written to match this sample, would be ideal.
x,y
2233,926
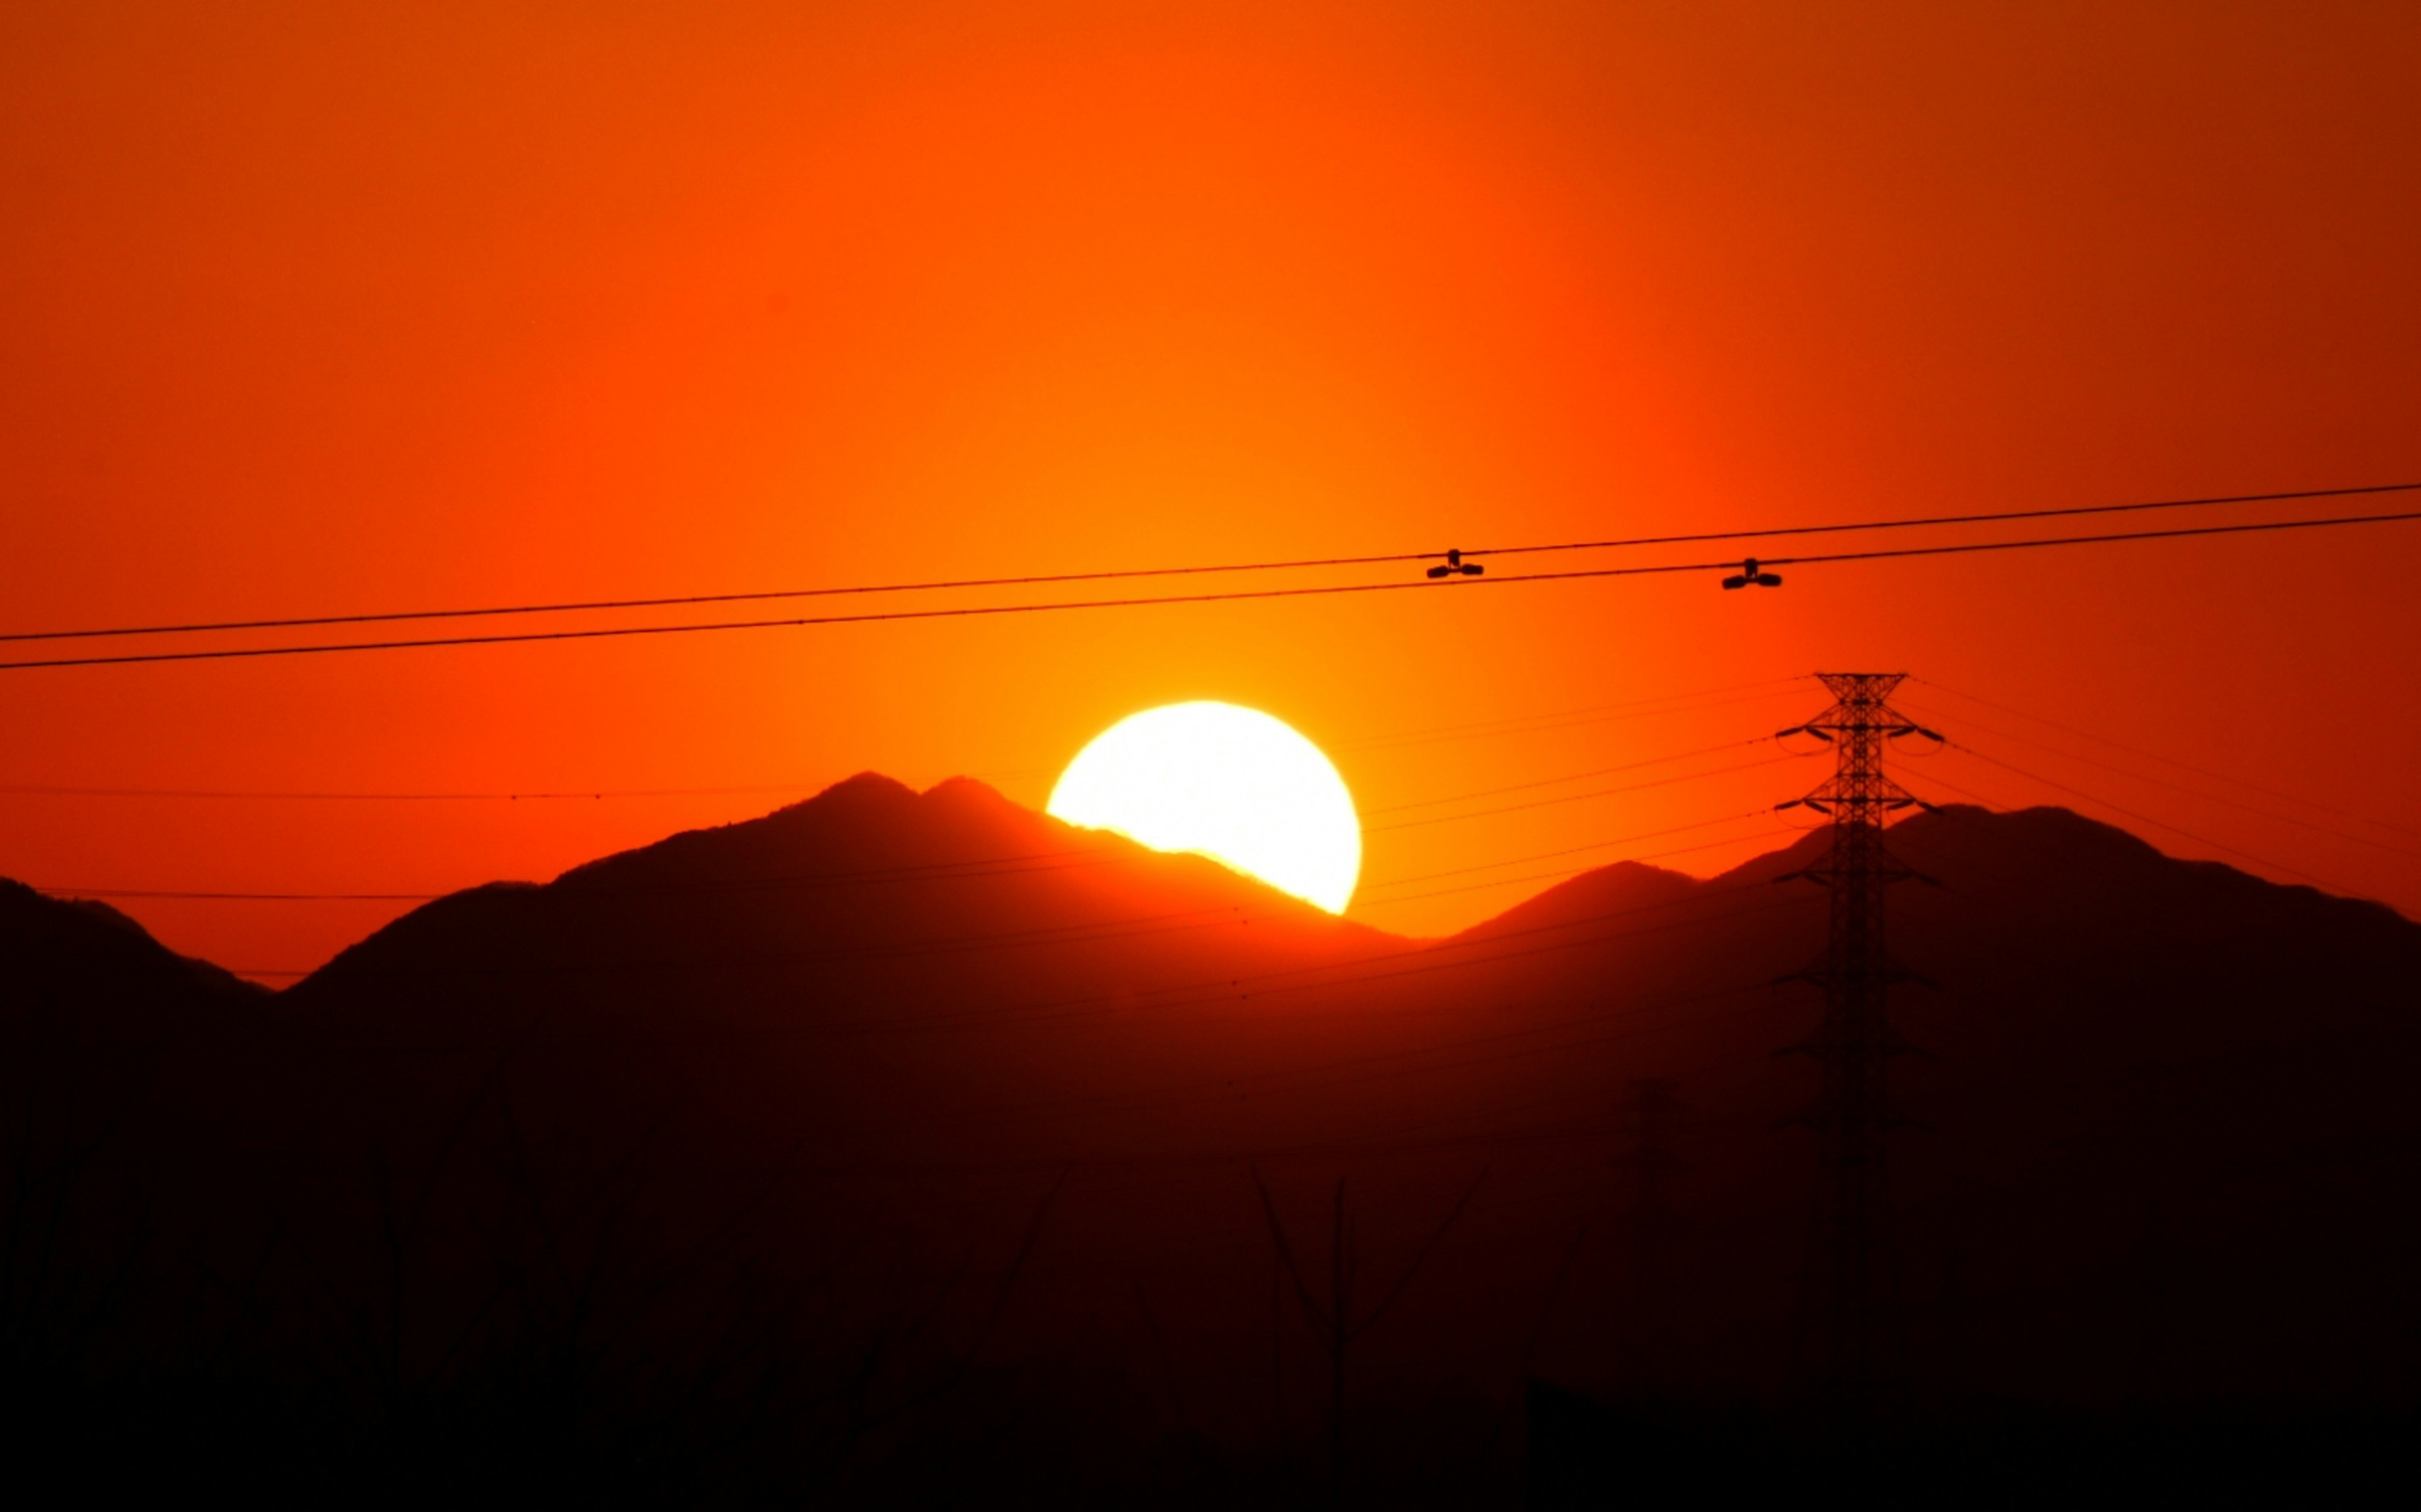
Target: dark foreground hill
x,y
896,1145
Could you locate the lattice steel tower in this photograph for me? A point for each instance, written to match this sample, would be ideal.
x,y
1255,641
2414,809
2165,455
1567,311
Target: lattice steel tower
x,y
1848,1338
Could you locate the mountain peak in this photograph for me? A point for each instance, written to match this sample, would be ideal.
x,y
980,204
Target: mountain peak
x,y
868,787
966,791
55,940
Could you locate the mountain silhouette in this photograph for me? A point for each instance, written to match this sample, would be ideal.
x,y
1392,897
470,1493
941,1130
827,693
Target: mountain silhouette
x,y
926,1104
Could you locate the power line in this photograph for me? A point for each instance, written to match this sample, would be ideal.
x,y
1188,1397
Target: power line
x,y
2190,793
693,599
1220,989
1324,1077
2170,761
1575,871
1230,596
1515,724
1949,520
2023,896
980,866
1577,777
1457,954
2133,814
1086,933
1573,850
960,871
1126,574
1097,931
1592,714
136,893
1217,988
933,871
62,790
1321,1075
1348,973
1574,798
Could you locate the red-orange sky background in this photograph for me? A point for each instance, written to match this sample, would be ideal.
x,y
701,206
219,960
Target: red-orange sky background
x,y
344,306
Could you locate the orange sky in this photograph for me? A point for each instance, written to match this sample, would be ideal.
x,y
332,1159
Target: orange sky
x,y
331,308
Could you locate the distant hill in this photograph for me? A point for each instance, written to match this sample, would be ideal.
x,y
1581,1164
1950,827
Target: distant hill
x,y
937,1078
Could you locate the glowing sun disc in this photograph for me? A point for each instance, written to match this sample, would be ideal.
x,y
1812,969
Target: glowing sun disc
x,y
1227,782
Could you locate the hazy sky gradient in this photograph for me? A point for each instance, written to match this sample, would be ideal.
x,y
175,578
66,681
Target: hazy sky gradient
x,y
344,306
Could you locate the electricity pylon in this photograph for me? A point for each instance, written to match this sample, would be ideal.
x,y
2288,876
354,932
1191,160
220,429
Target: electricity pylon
x,y
1848,1336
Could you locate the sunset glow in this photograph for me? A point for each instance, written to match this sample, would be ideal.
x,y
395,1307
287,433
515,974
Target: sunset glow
x,y
349,308
1104,755
1232,784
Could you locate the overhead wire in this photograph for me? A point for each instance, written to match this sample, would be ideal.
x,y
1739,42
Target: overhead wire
x,y
1096,932
1161,1096
67,790
1577,777
981,867
2176,786
2132,814
1575,871
1451,953
1997,517
1049,579
1470,1140
1423,1060
1426,1061
930,871
1594,792
1099,931
1292,979
1170,1096
1425,1055
2166,760
2124,889
2023,897
961,868
985,867
1230,596
1571,850
1600,714
1658,707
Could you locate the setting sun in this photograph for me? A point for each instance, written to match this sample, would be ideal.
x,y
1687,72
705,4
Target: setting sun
x,y
1232,784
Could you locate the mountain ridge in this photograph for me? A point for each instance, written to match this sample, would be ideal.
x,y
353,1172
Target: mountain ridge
x,y
880,1038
